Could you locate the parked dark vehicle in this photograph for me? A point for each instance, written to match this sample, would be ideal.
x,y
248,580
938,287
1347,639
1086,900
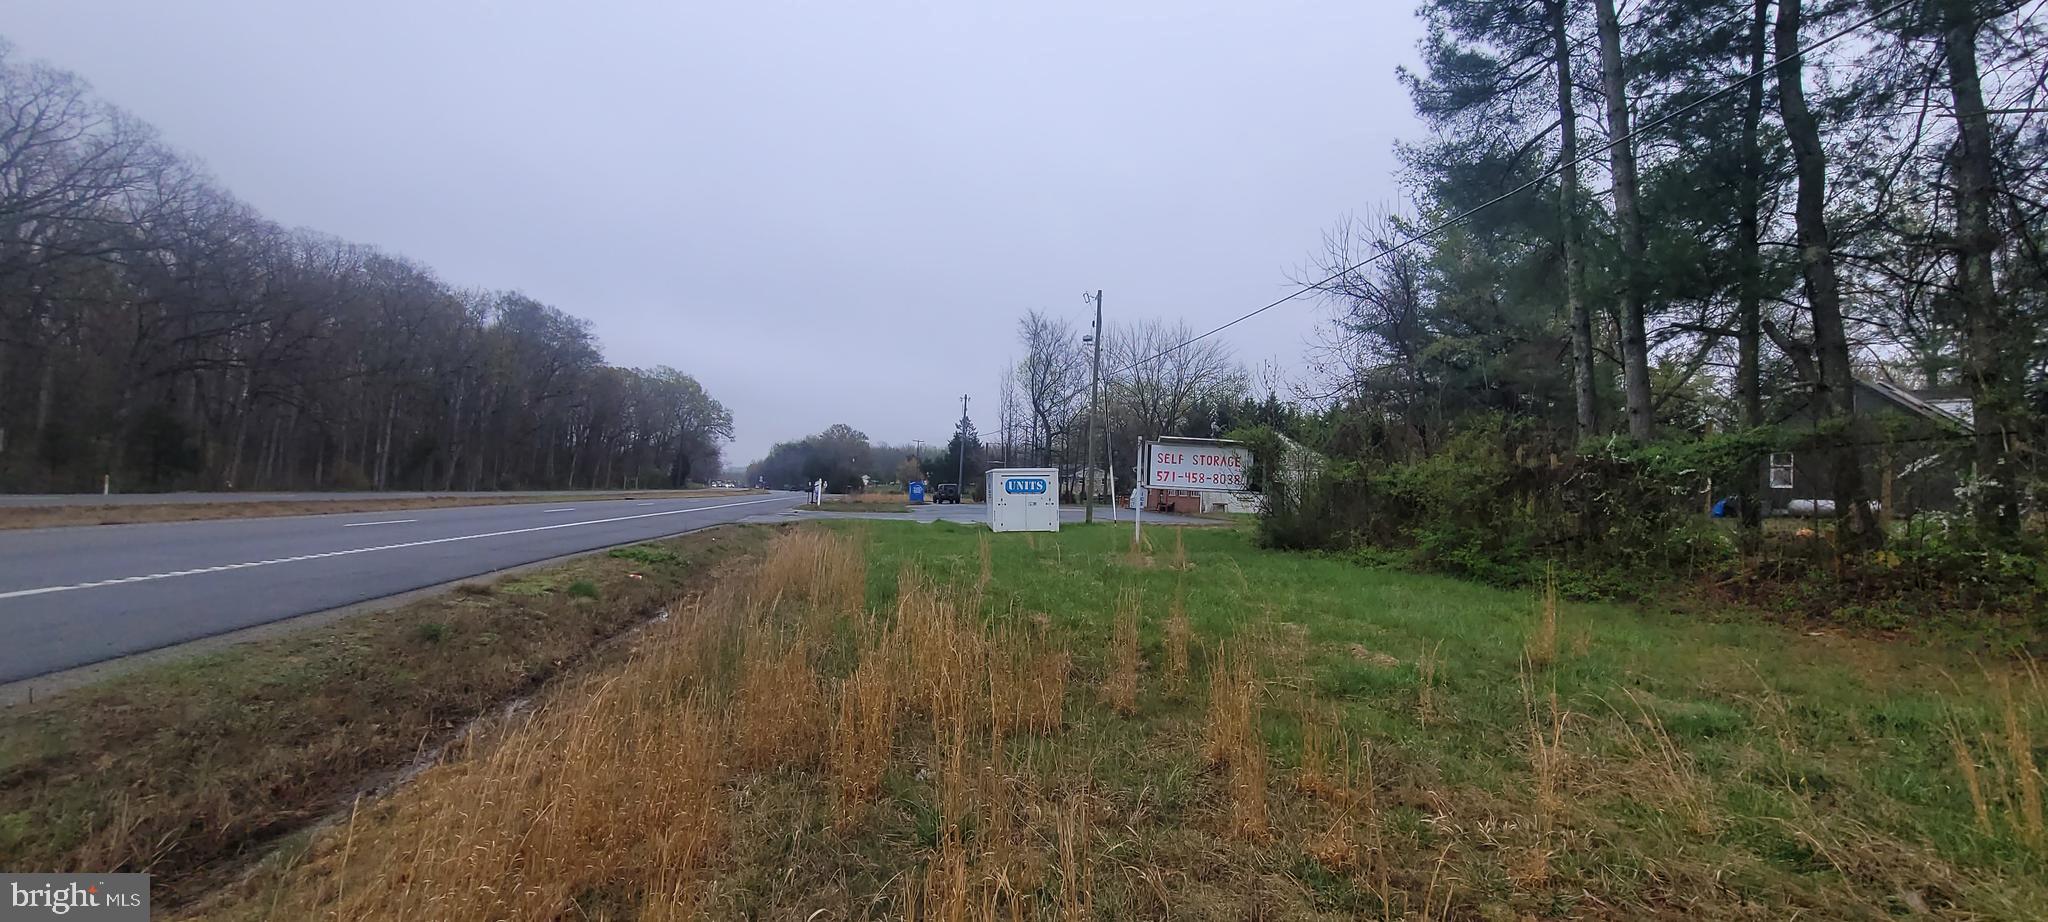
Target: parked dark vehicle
x,y
948,493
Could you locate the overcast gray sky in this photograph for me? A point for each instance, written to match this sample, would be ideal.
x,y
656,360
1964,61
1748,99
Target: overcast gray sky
x,y
827,212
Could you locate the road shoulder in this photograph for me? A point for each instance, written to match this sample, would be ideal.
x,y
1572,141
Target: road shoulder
x,y
69,516
181,763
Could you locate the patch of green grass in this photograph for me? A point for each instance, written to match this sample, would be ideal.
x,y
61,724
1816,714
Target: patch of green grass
x,y
431,632
1815,770
529,586
901,506
583,589
650,554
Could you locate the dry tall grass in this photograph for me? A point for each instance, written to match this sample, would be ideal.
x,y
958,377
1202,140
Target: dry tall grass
x,y
823,573
1120,687
1351,838
1042,702
620,781
1354,842
1076,883
1671,770
1546,765
862,737
946,652
758,759
2008,796
1177,634
612,791
1541,646
633,793
1426,667
987,567
2026,775
1139,554
780,707
1314,774
1234,741
1546,747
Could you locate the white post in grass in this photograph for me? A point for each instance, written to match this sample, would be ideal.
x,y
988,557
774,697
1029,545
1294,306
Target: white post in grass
x,y
1109,467
1138,499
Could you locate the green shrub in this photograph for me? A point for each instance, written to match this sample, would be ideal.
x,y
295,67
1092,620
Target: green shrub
x,y
1496,504
1502,503
649,554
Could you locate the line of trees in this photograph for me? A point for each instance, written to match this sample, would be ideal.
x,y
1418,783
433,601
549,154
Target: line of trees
x,y
1149,390
1874,210
841,455
156,330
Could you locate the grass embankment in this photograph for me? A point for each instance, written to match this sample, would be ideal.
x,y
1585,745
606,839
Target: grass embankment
x,y
887,721
138,513
178,768
865,502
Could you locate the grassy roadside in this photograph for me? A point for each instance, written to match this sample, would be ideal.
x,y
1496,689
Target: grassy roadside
x,y
857,506
180,768
888,721
872,501
12,517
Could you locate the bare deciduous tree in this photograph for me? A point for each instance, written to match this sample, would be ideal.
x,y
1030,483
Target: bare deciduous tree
x,y
1156,387
1054,378
1372,350
189,342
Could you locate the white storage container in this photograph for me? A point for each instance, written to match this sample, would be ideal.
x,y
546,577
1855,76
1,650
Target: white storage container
x,y
1023,499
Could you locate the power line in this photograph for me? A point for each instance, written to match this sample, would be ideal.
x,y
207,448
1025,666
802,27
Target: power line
x,y
1460,218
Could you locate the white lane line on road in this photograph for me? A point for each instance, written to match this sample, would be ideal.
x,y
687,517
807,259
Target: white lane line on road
x,y
45,590
643,504
570,509
392,522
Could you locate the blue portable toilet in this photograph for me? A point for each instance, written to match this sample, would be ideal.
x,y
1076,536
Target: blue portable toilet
x,y
916,488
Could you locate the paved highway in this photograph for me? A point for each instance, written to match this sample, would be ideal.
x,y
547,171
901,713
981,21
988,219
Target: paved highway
x,y
75,596
29,500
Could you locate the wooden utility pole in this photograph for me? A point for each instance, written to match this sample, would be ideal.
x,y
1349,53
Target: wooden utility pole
x,y
1094,410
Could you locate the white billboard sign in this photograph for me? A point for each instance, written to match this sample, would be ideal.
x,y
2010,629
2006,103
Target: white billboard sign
x,y
1196,466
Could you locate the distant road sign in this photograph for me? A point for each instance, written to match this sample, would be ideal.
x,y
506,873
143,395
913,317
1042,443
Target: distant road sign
x,y
1196,466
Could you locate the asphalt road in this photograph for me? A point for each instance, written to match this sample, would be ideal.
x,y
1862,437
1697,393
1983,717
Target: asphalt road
x,y
166,499
75,596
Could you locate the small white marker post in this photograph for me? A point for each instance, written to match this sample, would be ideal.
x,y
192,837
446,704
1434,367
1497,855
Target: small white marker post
x,y
1109,468
1138,498
1137,514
